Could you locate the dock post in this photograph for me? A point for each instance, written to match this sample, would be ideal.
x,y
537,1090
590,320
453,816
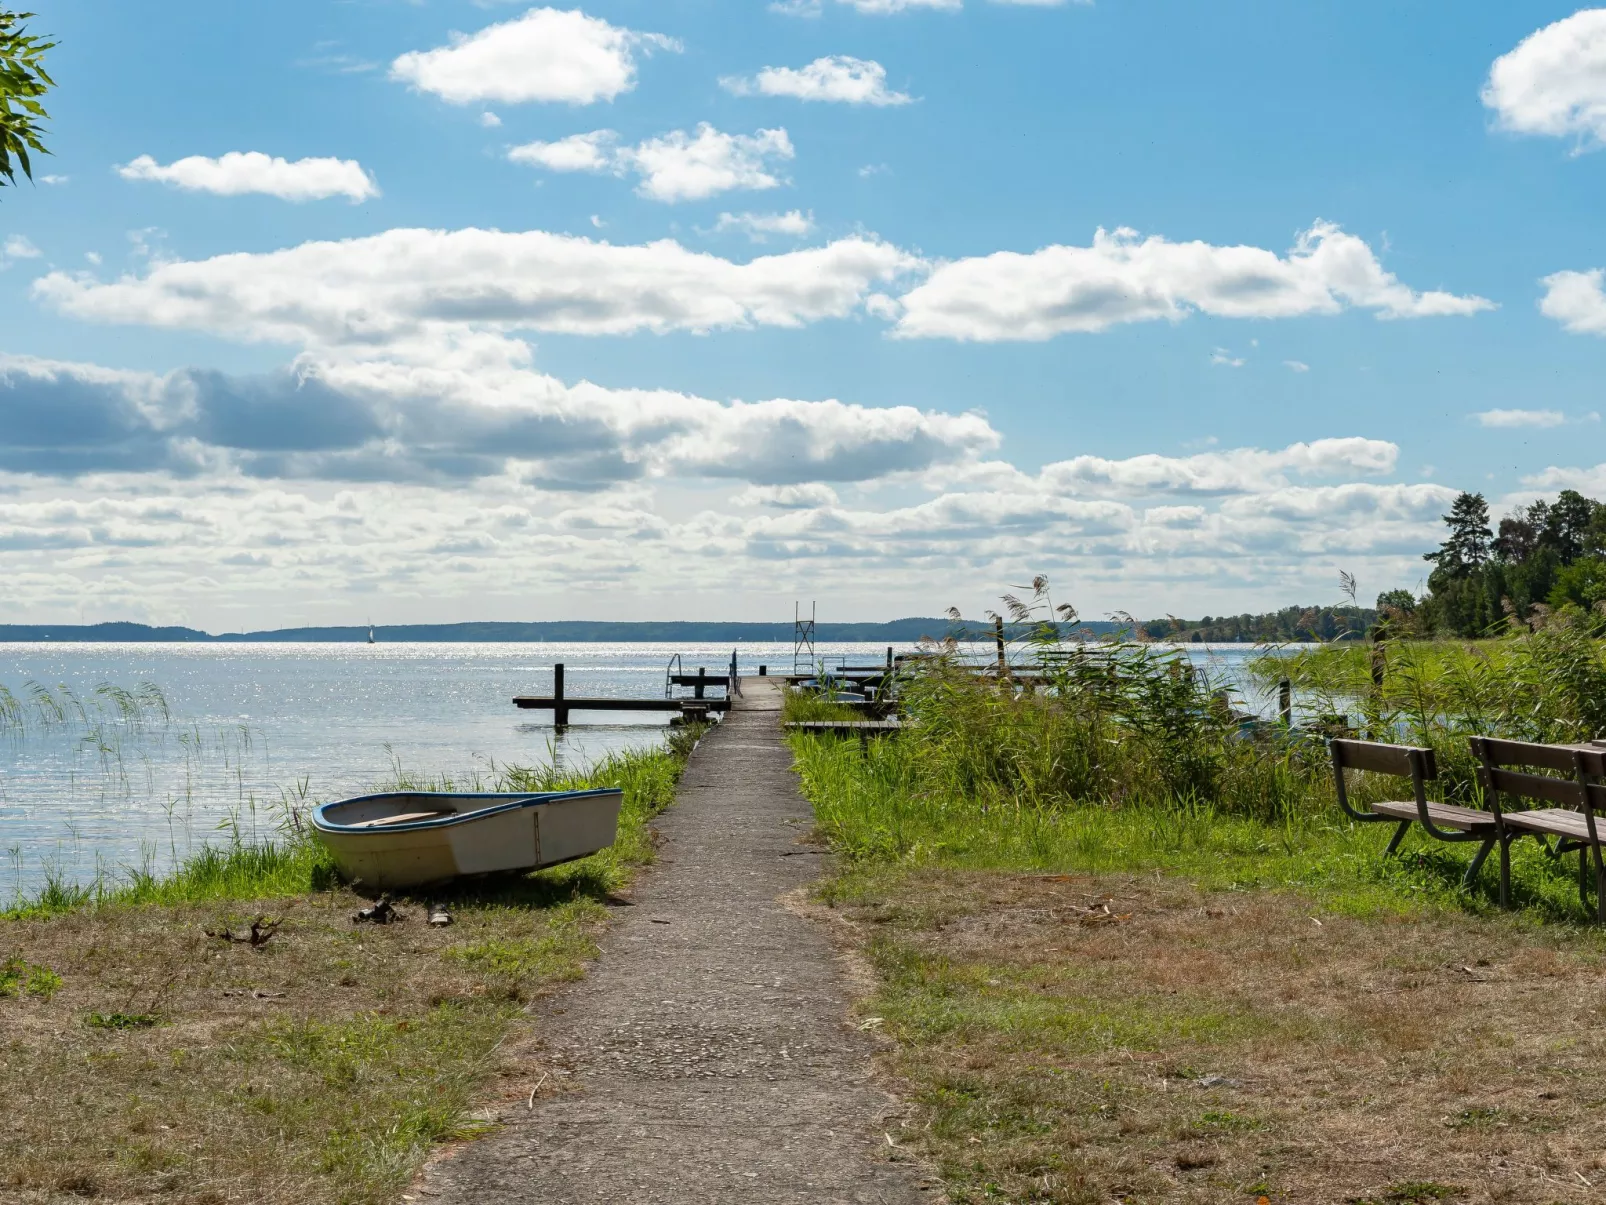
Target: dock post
x,y
889,658
998,636
702,676
560,713
1285,702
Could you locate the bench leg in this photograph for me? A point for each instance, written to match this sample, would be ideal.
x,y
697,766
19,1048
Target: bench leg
x,y
1505,870
1471,876
1588,854
1394,841
1600,888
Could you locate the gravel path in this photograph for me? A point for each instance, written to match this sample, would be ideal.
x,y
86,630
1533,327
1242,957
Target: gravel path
x,y
708,1057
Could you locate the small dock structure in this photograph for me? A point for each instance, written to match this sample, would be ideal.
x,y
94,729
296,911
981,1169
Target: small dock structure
x,y
699,706
863,729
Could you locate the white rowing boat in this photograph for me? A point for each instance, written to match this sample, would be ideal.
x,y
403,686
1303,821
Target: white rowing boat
x,y
409,838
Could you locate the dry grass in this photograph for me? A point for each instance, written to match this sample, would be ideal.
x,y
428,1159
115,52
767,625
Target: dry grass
x,y
1082,1039
142,1060
175,1066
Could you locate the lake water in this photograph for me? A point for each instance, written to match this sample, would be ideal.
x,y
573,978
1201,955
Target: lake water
x,y
251,726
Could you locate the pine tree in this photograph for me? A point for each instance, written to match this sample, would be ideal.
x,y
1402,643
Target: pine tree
x,y
1470,539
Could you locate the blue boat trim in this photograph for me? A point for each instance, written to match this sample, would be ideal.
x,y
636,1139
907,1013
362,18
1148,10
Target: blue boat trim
x,y
510,802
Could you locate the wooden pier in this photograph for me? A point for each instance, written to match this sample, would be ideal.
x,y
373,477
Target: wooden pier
x,y
561,704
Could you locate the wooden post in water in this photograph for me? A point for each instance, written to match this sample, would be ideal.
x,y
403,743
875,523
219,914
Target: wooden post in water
x,y
702,680
1285,702
889,657
560,713
998,638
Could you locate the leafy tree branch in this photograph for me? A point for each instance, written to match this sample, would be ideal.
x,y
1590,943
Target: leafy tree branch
x,y
23,80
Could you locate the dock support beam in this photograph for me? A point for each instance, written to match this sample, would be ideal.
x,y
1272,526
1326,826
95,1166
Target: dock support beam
x,y
560,713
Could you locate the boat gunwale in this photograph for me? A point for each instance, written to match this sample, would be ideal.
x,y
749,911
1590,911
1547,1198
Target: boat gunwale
x,y
511,801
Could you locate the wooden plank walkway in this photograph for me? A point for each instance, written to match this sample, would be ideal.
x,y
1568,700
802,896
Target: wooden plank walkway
x,y
708,1058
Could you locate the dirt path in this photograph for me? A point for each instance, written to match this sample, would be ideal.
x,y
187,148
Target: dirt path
x,y
708,1057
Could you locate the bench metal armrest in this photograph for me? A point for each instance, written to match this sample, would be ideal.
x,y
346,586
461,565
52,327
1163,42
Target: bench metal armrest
x,y
1343,792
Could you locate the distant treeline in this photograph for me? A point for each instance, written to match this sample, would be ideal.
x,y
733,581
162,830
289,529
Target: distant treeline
x,y
1304,624
1289,624
897,631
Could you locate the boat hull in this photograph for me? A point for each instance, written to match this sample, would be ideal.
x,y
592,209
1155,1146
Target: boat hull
x,y
409,839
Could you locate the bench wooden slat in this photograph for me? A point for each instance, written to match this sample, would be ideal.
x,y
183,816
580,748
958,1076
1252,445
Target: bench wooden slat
x,y
1549,757
1565,791
1445,815
1560,822
1383,759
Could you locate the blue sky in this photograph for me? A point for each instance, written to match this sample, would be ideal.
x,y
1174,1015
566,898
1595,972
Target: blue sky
x,y
237,407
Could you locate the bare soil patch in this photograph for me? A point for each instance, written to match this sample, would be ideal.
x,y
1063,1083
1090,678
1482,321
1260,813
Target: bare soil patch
x,y
169,1065
1088,1039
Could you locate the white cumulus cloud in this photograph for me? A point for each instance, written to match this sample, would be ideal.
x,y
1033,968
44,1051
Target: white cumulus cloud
x,y
1576,300
380,420
758,226
788,497
240,172
545,55
593,152
1589,481
672,167
17,246
1123,278
431,292
1554,82
884,7
833,78
812,8
1520,418
1231,471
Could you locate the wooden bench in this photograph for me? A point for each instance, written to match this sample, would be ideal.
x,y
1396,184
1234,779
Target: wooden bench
x,y
1442,821
1507,768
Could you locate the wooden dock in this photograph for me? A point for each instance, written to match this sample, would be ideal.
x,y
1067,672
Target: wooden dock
x,y
561,704
848,727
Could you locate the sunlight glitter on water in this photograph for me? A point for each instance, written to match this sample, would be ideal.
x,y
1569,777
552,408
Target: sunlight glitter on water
x,y
255,727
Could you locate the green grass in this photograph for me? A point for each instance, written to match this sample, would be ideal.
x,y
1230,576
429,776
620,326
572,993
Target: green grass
x,y
416,1079
296,864
875,811
122,1020
929,999
20,978
1052,1055
319,1068
1548,685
